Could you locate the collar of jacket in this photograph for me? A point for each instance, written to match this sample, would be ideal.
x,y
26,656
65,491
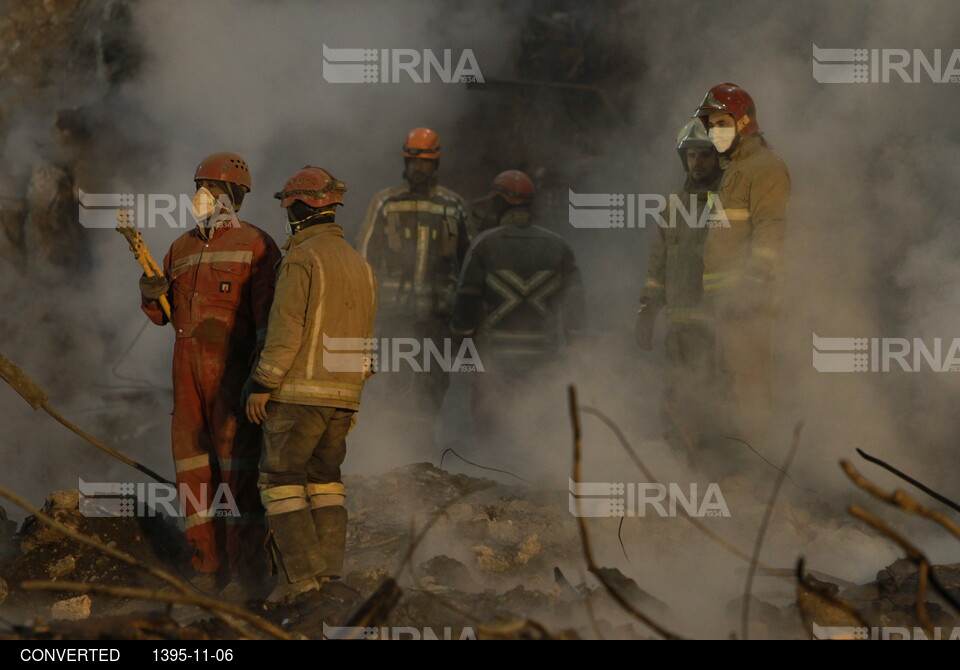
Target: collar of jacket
x,y
216,231
519,217
747,146
311,232
408,193
714,186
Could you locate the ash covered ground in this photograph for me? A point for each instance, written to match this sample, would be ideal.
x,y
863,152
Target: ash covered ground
x,y
119,96
512,567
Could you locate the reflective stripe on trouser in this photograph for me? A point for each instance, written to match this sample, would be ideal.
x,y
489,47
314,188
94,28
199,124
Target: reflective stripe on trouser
x,y
327,495
282,499
303,450
215,457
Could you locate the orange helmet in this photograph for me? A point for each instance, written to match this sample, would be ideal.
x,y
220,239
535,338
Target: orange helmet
x,y
314,186
226,167
422,143
731,99
513,186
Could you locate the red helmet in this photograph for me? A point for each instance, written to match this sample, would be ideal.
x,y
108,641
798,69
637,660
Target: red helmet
x,y
731,99
314,186
226,167
513,186
422,143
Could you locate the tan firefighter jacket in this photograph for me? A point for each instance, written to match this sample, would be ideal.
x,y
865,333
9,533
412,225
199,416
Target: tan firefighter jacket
x,y
753,193
320,332
675,269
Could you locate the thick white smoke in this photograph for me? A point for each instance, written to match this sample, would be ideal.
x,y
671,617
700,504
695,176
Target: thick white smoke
x,y
871,247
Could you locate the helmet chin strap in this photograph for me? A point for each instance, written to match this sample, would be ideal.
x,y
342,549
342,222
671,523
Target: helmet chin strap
x,y
294,227
236,202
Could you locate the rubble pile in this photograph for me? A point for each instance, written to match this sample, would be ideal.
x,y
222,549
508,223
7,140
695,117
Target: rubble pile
x,y
44,554
499,534
891,600
488,565
508,541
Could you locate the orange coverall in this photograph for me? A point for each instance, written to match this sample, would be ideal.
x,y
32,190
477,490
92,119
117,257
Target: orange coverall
x,y
221,290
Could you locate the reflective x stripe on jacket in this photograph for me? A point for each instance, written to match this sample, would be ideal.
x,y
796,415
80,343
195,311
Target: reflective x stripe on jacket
x,y
520,290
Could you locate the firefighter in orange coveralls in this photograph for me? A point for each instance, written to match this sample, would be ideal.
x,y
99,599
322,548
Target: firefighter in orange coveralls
x,y
742,263
219,279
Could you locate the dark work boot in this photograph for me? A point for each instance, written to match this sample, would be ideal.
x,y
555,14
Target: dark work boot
x,y
331,531
296,553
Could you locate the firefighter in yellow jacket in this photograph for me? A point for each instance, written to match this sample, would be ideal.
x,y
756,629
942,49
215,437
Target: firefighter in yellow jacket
x,y
305,395
743,261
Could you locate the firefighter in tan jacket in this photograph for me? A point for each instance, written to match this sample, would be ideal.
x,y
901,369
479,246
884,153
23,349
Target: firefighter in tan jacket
x,y
743,261
306,388
675,282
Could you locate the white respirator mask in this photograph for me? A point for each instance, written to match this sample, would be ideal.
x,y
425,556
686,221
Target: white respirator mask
x,y
722,138
203,204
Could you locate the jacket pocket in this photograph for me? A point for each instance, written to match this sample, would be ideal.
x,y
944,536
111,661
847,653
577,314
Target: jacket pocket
x,y
277,425
225,283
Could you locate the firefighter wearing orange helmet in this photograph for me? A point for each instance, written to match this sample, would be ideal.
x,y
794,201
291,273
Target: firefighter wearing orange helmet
x,y
415,235
305,395
521,296
743,259
219,279
508,188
